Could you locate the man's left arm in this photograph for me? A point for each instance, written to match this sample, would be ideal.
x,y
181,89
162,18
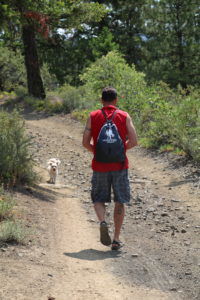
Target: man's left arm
x,y
87,137
132,136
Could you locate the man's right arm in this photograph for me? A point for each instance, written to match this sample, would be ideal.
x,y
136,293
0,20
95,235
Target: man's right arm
x,y
86,142
131,134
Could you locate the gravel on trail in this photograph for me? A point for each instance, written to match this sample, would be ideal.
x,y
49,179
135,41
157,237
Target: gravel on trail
x,y
160,232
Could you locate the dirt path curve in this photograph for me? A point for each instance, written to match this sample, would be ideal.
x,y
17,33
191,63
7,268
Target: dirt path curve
x,y
86,263
65,260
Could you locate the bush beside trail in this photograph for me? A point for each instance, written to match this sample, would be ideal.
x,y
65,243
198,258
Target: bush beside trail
x,y
16,167
12,230
169,118
16,161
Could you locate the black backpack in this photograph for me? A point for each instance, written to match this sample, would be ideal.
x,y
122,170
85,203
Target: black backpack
x,y
109,147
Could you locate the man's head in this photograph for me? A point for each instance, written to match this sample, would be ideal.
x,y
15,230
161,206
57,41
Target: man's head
x,y
109,94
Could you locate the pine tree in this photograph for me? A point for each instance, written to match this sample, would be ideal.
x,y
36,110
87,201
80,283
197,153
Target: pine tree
x,y
172,46
31,18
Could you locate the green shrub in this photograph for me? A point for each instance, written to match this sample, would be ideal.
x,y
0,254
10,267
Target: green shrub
x,y
11,229
6,205
152,116
82,115
21,92
34,103
13,232
163,116
112,70
12,71
172,117
54,107
16,162
186,123
49,80
73,98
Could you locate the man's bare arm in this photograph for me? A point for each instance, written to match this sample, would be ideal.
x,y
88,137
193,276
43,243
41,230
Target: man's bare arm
x,y
87,137
132,136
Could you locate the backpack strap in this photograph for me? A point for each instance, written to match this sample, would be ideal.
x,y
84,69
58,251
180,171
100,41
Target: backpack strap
x,y
103,112
113,115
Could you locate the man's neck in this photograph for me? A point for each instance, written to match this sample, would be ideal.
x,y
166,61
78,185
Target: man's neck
x,y
113,103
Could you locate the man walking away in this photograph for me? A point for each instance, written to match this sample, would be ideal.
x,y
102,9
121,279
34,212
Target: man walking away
x,y
108,134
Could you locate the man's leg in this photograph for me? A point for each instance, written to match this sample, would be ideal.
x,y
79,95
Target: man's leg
x,y
101,190
100,210
119,212
121,190
104,234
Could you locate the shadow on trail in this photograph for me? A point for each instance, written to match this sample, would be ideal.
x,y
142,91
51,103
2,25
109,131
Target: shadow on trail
x,y
41,193
92,254
26,110
192,178
31,115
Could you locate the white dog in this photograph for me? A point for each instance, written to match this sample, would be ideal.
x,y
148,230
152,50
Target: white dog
x,y
52,168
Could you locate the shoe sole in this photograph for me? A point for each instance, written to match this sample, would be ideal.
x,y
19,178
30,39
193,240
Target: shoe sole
x,y
104,236
117,247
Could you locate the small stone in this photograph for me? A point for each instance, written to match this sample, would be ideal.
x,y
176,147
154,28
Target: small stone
x,y
175,200
187,243
164,230
138,199
151,209
183,231
50,275
173,227
92,220
188,273
134,255
164,214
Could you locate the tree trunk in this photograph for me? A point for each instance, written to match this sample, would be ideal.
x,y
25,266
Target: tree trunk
x,y
180,52
1,81
34,80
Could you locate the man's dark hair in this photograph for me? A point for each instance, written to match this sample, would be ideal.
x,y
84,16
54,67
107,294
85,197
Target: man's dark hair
x,y
109,94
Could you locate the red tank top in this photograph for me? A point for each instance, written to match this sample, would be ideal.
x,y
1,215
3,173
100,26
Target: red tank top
x,y
97,121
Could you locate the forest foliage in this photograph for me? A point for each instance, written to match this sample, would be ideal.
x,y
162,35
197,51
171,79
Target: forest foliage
x,y
161,115
148,50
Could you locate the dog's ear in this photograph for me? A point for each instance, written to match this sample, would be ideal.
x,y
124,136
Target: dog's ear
x,y
58,162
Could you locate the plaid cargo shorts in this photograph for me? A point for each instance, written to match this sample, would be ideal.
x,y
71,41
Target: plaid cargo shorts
x,y
102,182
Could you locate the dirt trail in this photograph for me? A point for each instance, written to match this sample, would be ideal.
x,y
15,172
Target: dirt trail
x,y
86,270
65,260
